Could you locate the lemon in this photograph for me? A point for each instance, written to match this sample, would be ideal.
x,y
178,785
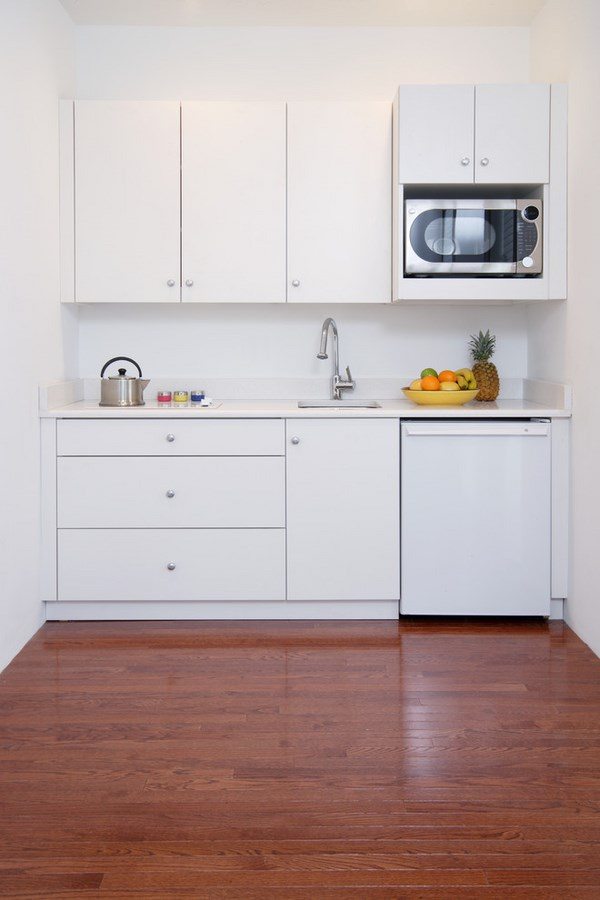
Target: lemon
x,y
415,385
449,386
427,372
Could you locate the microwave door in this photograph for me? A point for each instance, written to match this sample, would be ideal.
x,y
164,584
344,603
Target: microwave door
x,y
456,241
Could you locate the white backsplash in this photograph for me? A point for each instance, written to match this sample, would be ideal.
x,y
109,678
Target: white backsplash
x,y
242,343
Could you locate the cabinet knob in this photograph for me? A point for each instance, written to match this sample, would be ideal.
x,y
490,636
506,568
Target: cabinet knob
x,y
189,282
295,283
465,161
171,282
170,493
485,161
170,438
170,566
295,440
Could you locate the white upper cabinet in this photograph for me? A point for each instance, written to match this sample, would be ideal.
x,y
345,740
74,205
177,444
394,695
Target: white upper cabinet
x,y
483,134
127,201
233,202
436,134
512,133
339,202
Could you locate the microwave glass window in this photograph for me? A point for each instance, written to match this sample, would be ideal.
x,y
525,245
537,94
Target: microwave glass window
x,y
464,235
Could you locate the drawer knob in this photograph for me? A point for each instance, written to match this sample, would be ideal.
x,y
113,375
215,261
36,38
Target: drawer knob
x,y
170,566
295,283
170,438
295,440
485,161
465,161
171,282
170,493
189,282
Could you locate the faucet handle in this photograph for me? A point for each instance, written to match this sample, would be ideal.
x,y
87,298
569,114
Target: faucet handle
x,y
348,375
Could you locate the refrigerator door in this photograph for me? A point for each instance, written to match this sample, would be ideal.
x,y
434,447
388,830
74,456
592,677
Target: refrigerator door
x,y
476,527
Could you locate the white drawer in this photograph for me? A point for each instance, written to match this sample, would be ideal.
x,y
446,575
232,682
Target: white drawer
x,y
126,565
183,492
170,437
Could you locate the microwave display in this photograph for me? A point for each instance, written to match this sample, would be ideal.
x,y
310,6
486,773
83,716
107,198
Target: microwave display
x,y
473,237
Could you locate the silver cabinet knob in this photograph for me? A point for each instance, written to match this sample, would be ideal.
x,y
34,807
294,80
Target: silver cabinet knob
x,y
485,161
171,282
465,161
189,282
170,438
295,283
295,440
170,566
170,493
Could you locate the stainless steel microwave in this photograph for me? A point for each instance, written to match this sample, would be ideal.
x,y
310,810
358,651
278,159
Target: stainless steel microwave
x,y
473,237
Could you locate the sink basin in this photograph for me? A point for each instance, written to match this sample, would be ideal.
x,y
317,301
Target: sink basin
x,y
339,404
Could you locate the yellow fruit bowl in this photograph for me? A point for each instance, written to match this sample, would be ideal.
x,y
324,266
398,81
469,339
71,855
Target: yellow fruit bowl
x,y
440,398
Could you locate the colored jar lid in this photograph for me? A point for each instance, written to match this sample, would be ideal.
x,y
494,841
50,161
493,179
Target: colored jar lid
x,y
181,396
164,396
197,396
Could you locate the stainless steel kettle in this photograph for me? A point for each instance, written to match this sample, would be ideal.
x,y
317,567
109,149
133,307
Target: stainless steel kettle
x,y
122,389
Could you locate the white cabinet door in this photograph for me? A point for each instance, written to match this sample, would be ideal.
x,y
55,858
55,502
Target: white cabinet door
x,y
512,133
343,510
339,202
233,202
127,201
435,134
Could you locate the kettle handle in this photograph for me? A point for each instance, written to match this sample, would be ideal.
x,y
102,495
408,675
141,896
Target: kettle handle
x,y
119,359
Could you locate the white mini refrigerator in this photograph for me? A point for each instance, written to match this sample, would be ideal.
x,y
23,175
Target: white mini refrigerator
x,y
475,520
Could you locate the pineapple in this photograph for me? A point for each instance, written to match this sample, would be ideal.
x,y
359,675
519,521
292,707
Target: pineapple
x,y
486,374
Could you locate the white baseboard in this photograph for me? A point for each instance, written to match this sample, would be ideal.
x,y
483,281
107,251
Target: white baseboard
x,y
372,609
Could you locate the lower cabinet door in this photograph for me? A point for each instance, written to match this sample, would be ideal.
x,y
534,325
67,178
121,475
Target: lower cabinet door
x,y
343,509
183,564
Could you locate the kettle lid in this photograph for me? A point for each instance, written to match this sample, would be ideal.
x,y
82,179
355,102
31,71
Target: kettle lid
x,y
122,375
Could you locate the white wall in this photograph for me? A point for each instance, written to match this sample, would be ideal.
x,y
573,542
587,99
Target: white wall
x,y
565,46
291,63
38,340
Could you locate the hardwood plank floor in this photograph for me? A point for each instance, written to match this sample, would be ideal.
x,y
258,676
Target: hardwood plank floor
x,y
431,758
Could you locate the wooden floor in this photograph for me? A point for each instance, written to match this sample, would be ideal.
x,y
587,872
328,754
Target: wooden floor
x,y
301,760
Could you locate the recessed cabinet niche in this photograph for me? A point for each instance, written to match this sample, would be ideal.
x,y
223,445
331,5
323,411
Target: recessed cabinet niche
x,y
225,202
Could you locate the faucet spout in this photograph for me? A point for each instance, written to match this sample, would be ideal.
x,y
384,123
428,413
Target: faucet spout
x,y
338,384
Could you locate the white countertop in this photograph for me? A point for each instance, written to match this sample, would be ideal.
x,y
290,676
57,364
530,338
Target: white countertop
x,y
287,409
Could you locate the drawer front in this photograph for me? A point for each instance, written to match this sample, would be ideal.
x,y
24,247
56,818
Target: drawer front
x,y
170,437
183,492
127,565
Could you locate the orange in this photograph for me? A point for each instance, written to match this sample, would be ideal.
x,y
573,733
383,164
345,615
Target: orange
x,y
430,383
447,375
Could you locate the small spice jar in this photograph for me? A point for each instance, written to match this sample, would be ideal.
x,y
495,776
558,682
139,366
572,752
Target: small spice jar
x,y
181,396
164,396
197,396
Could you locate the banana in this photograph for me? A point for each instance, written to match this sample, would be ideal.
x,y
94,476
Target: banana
x,y
462,382
466,373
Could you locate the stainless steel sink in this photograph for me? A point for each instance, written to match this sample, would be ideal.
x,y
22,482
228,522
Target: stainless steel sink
x,y
339,404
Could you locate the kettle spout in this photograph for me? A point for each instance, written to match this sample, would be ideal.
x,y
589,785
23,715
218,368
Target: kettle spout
x,y
144,382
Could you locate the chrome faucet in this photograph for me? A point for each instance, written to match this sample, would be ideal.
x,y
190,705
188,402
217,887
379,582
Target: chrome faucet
x,y
338,384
